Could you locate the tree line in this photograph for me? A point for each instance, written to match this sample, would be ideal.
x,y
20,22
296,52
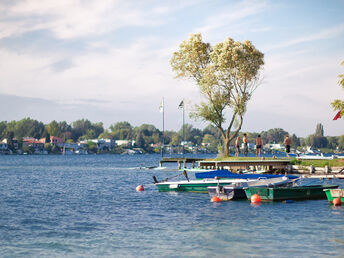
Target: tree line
x,y
148,137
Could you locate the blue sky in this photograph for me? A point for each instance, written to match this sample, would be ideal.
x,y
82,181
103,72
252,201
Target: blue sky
x,y
108,60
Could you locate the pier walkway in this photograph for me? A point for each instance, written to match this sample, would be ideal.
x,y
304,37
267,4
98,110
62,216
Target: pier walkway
x,y
269,165
181,161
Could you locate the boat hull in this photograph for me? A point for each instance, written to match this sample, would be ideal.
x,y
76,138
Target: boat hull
x,y
197,186
235,192
227,193
290,193
331,194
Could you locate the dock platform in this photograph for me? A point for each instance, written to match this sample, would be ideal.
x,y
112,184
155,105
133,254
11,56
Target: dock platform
x,y
181,161
269,165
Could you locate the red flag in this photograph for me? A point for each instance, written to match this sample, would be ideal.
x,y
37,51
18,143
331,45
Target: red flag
x,y
337,115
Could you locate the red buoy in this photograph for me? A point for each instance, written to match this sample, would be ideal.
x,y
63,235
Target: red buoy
x,y
215,199
337,201
140,188
255,198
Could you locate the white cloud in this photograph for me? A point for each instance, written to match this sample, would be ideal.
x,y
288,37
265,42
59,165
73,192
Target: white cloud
x,y
321,35
231,14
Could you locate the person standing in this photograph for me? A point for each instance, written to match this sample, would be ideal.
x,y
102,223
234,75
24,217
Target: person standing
x,y
259,145
287,143
244,140
237,146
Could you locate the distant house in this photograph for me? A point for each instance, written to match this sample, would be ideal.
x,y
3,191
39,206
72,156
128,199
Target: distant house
x,y
3,146
101,143
32,142
53,140
127,143
14,141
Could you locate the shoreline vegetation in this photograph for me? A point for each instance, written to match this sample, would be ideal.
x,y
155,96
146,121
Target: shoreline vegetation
x,y
29,136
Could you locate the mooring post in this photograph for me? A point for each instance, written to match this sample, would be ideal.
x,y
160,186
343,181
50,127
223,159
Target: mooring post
x,y
311,169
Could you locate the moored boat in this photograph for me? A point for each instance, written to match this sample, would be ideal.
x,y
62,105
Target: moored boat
x,y
236,191
199,186
331,194
309,192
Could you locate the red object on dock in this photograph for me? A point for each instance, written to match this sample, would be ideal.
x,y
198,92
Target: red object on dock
x,y
140,188
255,198
337,201
215,199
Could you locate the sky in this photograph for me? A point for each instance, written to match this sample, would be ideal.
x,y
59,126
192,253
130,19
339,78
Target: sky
x,y
108,61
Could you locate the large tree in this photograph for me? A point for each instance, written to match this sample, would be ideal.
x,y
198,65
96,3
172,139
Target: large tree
x,y
338,105
227,74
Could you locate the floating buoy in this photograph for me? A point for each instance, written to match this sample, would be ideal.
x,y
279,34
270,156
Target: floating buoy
x,y
337,201
255,198
215,199
140,188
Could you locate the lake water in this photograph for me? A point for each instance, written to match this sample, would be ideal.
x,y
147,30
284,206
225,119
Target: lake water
x,y
87,206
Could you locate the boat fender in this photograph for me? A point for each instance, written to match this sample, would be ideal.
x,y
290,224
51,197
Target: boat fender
x,y
140,188
215,199
255,198
337,201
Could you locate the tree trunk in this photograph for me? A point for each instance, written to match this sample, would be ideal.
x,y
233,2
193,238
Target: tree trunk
x,y
226,142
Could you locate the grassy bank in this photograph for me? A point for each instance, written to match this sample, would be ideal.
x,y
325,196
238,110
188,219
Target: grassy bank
x,y
293,161
318,163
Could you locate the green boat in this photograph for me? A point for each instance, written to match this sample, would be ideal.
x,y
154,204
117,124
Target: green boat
x,y
311,192
197,186
334,193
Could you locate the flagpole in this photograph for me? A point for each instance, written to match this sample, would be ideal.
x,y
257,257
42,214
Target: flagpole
x,y
163,128
183,129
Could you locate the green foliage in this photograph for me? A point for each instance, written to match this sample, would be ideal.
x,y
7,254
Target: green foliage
x,y
26,127
227,74
82,128
319,130
91,147
54,129
318,163
338,105
122,131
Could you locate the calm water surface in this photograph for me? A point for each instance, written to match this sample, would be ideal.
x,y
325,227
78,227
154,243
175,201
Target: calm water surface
x,y
78,206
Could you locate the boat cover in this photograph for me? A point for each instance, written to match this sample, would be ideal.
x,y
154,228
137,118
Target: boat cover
x,y
224,173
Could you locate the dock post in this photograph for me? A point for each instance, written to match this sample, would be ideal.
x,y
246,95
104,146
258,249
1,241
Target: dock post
x,y
160,163
184,164
179,165
327,169
311,169
193,164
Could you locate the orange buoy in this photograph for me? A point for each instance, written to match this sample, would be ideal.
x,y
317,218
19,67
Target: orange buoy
x,y
215,199
140,188
255,198
337,201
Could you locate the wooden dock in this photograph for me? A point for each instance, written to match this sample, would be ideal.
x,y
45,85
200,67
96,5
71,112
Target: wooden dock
x,y
270,165
180,161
